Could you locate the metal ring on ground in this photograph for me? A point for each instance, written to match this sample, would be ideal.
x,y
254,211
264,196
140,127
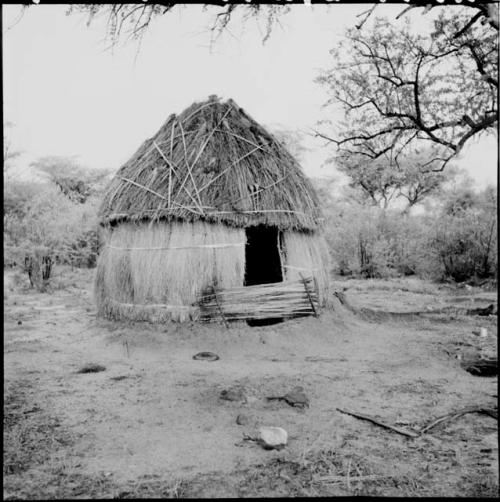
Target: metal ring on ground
x,y
206,356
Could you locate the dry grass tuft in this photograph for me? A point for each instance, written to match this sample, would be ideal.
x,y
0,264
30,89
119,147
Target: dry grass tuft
x,y
28,433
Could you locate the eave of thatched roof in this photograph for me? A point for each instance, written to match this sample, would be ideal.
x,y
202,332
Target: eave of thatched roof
x,y
214,163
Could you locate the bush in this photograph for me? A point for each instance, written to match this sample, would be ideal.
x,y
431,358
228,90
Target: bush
x,y
466,244
46,228
371,242
457,240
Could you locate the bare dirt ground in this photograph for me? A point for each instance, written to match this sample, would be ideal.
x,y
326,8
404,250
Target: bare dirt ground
x,y
153,423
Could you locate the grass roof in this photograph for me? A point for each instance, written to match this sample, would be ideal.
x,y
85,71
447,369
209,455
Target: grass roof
x,y
214,163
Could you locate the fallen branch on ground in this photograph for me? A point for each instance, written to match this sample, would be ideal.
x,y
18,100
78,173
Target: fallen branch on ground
x,y
416,433
456,414
409,434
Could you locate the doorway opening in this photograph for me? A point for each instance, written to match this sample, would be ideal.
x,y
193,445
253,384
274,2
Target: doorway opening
x,y
262,262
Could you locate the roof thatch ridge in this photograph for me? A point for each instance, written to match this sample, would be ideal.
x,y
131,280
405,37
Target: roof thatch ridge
x,y
213,162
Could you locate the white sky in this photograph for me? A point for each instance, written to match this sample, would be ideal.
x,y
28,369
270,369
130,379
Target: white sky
x,y
67,95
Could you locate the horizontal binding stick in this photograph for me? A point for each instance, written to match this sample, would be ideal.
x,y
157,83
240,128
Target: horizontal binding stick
x,y
210,246
299,268
150,305
258,211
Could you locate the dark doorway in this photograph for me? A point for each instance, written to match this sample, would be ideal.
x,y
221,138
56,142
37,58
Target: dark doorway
x,y
262,262
262,258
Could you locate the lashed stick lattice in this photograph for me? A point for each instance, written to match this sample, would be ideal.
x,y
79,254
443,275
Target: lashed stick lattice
x,y
264,301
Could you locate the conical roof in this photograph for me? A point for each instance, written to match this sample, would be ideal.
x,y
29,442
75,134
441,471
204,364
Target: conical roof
x,y
213,162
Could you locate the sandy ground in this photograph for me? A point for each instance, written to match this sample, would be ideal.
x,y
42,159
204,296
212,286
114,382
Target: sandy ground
x,y
153,423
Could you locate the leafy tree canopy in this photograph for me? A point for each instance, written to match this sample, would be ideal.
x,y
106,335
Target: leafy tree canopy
x,y
381,181
76,182
398,89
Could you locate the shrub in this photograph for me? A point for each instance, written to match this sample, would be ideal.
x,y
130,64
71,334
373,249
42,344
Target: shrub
x,y
47,228
466,244
456,240
354,235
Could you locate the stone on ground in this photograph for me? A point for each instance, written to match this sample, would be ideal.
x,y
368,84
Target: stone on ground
x,y
273,437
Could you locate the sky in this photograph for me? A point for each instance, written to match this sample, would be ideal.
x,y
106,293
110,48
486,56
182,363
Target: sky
x,y
66,94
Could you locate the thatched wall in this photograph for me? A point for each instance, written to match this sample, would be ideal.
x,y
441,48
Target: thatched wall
x,y
131,282
156,271
307,255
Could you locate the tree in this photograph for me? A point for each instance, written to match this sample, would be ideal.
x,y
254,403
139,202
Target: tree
x,y
377,181
75,181
9,153
395,87
382,181
16,195
37,234
465,236
43,226
458,202
55,221
131,21
292,140
398,89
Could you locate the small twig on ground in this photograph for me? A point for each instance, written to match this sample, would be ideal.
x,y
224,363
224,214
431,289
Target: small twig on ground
x,y
348,481
295,483
339,479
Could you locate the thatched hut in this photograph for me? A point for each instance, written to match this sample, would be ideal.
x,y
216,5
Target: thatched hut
x,y
211,200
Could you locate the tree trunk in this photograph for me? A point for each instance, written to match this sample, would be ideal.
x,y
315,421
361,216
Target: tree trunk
x,y
39,269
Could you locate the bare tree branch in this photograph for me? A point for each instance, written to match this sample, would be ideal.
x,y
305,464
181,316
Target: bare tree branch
x,y
398,89
367,14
